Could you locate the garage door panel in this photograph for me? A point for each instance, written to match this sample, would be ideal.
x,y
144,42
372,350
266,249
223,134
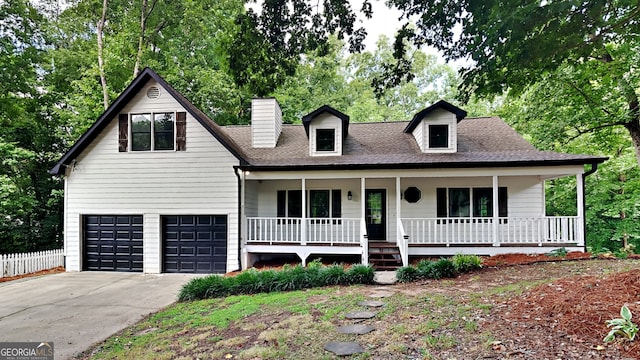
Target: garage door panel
x,y
113,242
191,242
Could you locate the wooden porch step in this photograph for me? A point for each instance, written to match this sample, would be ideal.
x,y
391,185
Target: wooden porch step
x,y
384,256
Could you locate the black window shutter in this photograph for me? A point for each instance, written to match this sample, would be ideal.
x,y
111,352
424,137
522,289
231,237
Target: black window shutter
x,y
181,131
502,202
336,203
123,132
294,203
282,202
441,195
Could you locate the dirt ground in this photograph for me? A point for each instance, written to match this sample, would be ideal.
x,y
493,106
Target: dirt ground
x,y
561,315
561,319
538,307
39,273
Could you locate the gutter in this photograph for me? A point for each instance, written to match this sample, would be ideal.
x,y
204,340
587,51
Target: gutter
x,y
594,168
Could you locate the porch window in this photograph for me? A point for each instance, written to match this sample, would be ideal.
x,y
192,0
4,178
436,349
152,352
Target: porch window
x,y
290,203
463,202
325,140
322,203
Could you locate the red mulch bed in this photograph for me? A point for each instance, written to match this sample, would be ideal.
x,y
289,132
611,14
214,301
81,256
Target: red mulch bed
x,y
579,306
521,259
39,273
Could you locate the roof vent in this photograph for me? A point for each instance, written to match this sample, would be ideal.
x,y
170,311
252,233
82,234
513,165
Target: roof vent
x,y
153,92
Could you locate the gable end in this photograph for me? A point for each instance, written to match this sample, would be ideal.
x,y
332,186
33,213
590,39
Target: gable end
x,y
134,87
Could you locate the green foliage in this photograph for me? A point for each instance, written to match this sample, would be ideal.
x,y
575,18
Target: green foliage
x,y
330,77
466,263
407,274
442,268
560,252
568,111
289,278
622,326
425,269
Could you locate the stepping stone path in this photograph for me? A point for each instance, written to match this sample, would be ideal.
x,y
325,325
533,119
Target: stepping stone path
x,y
352,348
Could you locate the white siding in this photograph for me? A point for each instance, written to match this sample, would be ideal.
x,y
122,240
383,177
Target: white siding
x,y
200,180
325,121
524,194
266,123
418,134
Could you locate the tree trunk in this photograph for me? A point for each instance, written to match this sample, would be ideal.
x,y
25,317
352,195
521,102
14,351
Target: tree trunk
x,y
143,25
103,78
634,130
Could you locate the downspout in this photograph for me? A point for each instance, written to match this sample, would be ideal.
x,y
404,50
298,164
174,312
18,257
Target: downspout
x,y
594,168
235,170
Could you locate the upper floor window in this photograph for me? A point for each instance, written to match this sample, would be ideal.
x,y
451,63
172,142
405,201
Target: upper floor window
x,y
325,140
438,136
159,135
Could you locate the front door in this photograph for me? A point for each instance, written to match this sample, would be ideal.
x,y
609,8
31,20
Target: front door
x,y
376,213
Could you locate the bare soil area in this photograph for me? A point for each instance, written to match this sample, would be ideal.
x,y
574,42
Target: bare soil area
x,y
516,307
38,273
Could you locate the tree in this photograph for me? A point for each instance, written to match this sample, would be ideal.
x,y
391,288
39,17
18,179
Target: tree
x,y
30,201
164,35
509,45
329,77
512,45
554,114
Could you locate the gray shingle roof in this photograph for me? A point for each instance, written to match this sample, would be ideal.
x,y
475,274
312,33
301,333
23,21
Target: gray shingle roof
x,y
486,141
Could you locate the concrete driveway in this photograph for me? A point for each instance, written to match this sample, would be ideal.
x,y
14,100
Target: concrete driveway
x,y
76,310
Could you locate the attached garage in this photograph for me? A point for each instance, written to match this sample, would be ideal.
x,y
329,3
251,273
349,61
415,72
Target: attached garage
x,y
112,242
194,243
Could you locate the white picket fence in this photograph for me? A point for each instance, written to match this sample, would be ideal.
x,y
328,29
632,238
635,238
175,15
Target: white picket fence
x,y
25,263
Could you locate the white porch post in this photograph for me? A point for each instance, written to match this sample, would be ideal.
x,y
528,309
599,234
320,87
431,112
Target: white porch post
x,y
495,228
398,210
363,225
580,230
244,256
303,226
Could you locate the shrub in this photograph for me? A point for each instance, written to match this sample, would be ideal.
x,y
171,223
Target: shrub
x,y
360,274
407,274
442,268
201,288
423,269
289,278
560,252
334,275
465,263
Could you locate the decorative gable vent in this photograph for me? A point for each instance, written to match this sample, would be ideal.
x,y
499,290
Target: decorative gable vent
x,y
153,92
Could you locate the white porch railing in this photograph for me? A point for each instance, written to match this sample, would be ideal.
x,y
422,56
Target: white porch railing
x,y
269,230
481,231
364,244
403,244
25,263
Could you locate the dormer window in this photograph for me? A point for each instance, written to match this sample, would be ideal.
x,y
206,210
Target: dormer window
x,y
327,130
325,139
438,136
435,128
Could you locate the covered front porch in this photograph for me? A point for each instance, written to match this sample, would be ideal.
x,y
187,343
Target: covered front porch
x,y
422,213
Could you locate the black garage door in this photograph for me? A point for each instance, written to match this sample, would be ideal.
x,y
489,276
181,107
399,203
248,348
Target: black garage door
x,y
112,242
195,244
